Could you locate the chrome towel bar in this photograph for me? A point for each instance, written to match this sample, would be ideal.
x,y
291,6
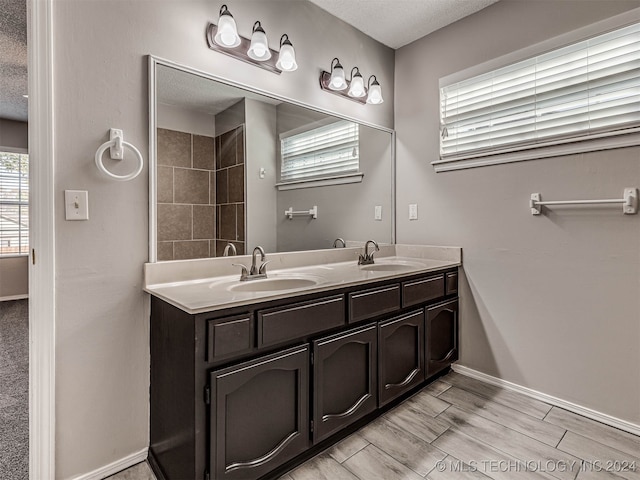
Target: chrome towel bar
x,y
629,202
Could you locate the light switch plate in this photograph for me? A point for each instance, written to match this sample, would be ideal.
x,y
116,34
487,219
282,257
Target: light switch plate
x,y
76,204
378,212
413,211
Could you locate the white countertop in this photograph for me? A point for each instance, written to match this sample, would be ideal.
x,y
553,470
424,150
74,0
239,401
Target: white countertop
x,y
204,285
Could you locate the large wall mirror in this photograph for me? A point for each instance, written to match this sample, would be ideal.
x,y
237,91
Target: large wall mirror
x,y
226,162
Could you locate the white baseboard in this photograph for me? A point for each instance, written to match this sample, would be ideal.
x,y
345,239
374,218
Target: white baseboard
x,y
115,467
13,297
558,402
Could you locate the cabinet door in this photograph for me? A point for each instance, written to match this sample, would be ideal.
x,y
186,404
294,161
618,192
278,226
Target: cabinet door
x,y
441,336
401,350
345,379
259,414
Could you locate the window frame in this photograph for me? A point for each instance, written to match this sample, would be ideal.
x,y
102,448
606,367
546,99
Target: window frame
x,y
20,151
552,148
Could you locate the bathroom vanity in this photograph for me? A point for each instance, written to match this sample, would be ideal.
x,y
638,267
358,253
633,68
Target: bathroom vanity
x,y
248,377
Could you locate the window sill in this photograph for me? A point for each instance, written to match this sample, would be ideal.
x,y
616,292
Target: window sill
x,y
321,182
539,152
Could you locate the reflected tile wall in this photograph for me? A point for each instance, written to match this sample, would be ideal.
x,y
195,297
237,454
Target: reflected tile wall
x,y
230,186
186,195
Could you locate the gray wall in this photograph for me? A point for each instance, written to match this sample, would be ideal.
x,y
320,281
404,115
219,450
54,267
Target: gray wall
x,y
14,277
14,271
102,315
14,134
549,302
260,146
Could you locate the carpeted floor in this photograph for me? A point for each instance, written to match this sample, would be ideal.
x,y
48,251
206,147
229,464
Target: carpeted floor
x,y
14,390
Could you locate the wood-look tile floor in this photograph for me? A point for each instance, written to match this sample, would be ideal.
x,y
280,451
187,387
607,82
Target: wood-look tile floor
x,y
461,428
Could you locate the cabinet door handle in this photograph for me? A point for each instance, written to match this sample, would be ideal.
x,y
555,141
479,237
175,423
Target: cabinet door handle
x,y
406,381
447,356
265,458
349,411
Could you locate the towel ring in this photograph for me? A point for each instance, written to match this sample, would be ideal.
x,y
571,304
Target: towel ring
x,y
117,143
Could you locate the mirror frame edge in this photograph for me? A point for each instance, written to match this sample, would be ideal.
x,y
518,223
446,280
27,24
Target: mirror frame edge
x,y
153,62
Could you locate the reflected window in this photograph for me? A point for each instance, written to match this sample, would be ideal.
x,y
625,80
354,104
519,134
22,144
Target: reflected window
x,y
14,204
325,152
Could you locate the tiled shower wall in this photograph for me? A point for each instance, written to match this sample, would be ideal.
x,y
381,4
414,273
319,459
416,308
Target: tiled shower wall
x,y
200,194
230,190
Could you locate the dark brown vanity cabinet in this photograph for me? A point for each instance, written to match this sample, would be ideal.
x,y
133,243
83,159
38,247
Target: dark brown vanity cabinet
x,y
401,355
441,336
345,379
248,391
259,414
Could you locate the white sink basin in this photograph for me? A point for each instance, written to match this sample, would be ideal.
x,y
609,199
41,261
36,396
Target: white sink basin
x,y
273,283
400,266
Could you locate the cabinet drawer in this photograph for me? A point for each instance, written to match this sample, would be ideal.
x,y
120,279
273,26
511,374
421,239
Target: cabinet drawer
x,y
229,336
371,303
452,283
422,290
279,325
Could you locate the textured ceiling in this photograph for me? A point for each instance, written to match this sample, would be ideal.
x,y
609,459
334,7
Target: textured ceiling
x,y
396,23
192,92
13,59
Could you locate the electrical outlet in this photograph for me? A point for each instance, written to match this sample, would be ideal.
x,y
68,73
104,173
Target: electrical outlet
x,y
378,212
76,204
413,211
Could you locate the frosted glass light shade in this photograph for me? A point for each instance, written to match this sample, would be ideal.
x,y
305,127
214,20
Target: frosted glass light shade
x,y
375,94
259,49
227,34
356,89
287,57
338,80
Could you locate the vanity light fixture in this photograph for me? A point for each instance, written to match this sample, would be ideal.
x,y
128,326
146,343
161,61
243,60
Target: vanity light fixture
x,y
375,92
354,88
259,49
224,38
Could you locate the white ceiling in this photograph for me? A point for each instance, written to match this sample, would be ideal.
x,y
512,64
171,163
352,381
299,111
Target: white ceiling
x,y
396,23
392,22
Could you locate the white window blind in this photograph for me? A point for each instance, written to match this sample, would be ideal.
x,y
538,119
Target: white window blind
x,y
327,151
584,91
14,203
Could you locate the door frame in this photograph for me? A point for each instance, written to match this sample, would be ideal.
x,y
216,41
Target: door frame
x,y
42,306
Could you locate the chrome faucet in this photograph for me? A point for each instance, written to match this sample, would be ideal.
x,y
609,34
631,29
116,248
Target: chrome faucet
x,y
367,258
230,247
254,268
255,272
339,240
